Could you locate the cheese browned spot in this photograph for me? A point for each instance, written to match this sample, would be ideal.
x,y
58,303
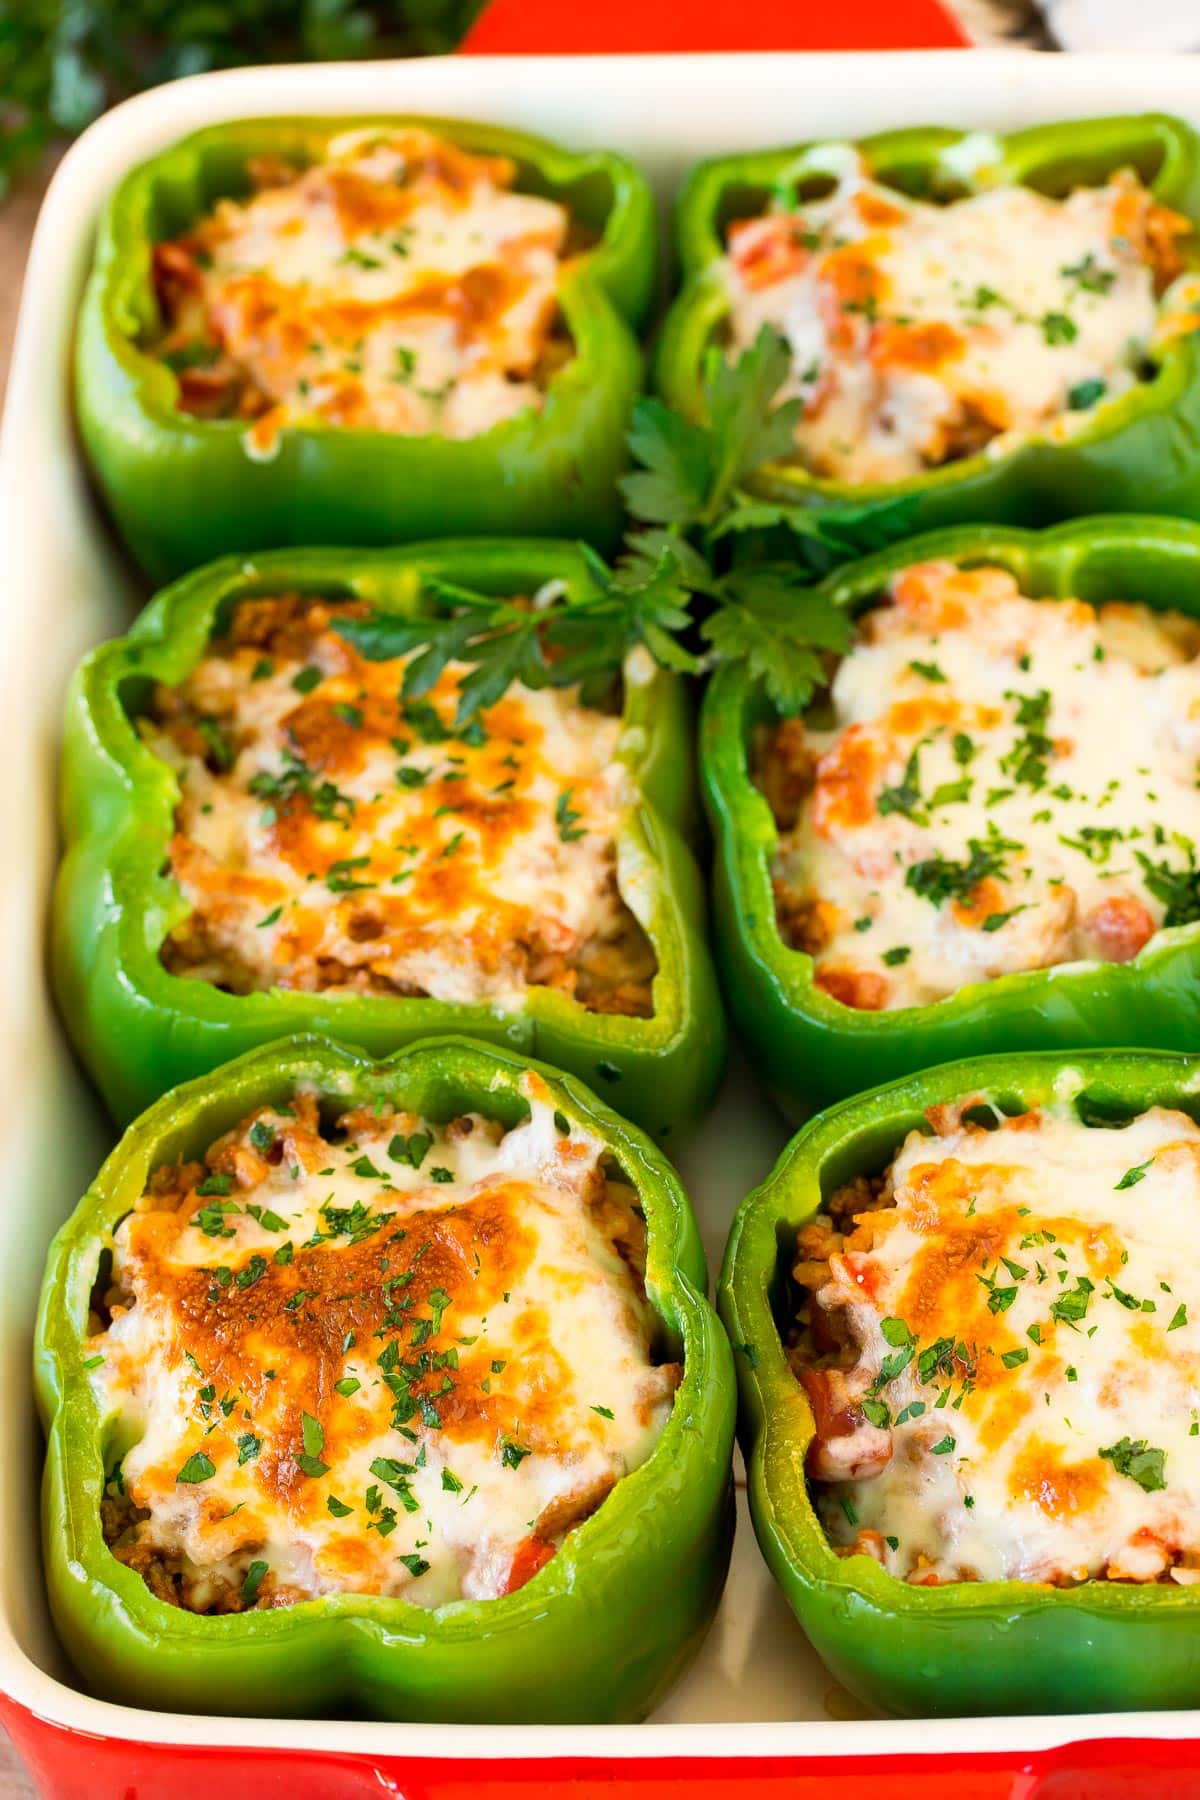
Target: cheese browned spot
x,y
398,284
997,784
332,834
387,1357
923,333
1001,1345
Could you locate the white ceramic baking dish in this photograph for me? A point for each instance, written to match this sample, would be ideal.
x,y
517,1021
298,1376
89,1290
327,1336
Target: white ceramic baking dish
x,y
757,1691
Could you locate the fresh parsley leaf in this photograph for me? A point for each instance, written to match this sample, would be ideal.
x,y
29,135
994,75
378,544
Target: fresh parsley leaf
x,y
313,1433
1178,889
253,1581
198,1467
1135,1458
778,628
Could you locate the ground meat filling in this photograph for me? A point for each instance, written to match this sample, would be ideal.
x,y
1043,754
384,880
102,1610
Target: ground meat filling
x,y
398,284
999,1340
380,1355
332,834
991,784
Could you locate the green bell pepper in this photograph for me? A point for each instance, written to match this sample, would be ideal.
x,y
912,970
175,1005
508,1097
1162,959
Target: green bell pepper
x,y
140,1029
597,1635
183,489
809,1047
967,1647
1137,446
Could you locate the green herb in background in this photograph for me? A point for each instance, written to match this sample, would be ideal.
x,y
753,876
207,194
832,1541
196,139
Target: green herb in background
x,y
63,61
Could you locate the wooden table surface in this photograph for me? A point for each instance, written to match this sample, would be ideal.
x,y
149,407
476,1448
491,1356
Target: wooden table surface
x,y
997,20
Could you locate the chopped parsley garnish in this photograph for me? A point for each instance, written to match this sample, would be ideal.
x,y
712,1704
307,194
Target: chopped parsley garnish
x,y
1177,889
929,670
997,920
198,1467
566,818
937,879
900,953
1072,1306
412,1149
1025,763
1089,275
1181,1317
1135,1458
944,1446
313,1433
416,1565
217,743
270,1221
307,679
512,1454
337,1507
905,796
296,779
211,1219
341,878
215,1184
253,1581
1086,394
1059,328
1131,1177
1095,841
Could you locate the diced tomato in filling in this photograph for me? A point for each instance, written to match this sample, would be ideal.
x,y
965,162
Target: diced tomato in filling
x,y
530,1556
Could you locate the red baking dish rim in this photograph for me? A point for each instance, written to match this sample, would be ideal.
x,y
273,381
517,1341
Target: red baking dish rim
x,y
73,1765
610,27
76,1765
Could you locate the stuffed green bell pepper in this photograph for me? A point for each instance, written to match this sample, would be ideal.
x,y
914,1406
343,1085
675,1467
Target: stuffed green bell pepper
x,y
307,793
386,1388
984,834
966,1324
362,331
978,327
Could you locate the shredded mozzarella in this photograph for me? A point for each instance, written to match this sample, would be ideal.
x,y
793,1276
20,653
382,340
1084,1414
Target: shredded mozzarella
x,y
1004,784
920,333
1025,1315
406,1359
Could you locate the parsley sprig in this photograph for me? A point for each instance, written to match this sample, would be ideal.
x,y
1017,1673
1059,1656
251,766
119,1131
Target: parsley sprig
x,y
709,574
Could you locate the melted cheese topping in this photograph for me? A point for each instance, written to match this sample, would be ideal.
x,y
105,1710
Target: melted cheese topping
x,y
1024,1312
332,834
406,1360
1006,784
399,285
923,333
